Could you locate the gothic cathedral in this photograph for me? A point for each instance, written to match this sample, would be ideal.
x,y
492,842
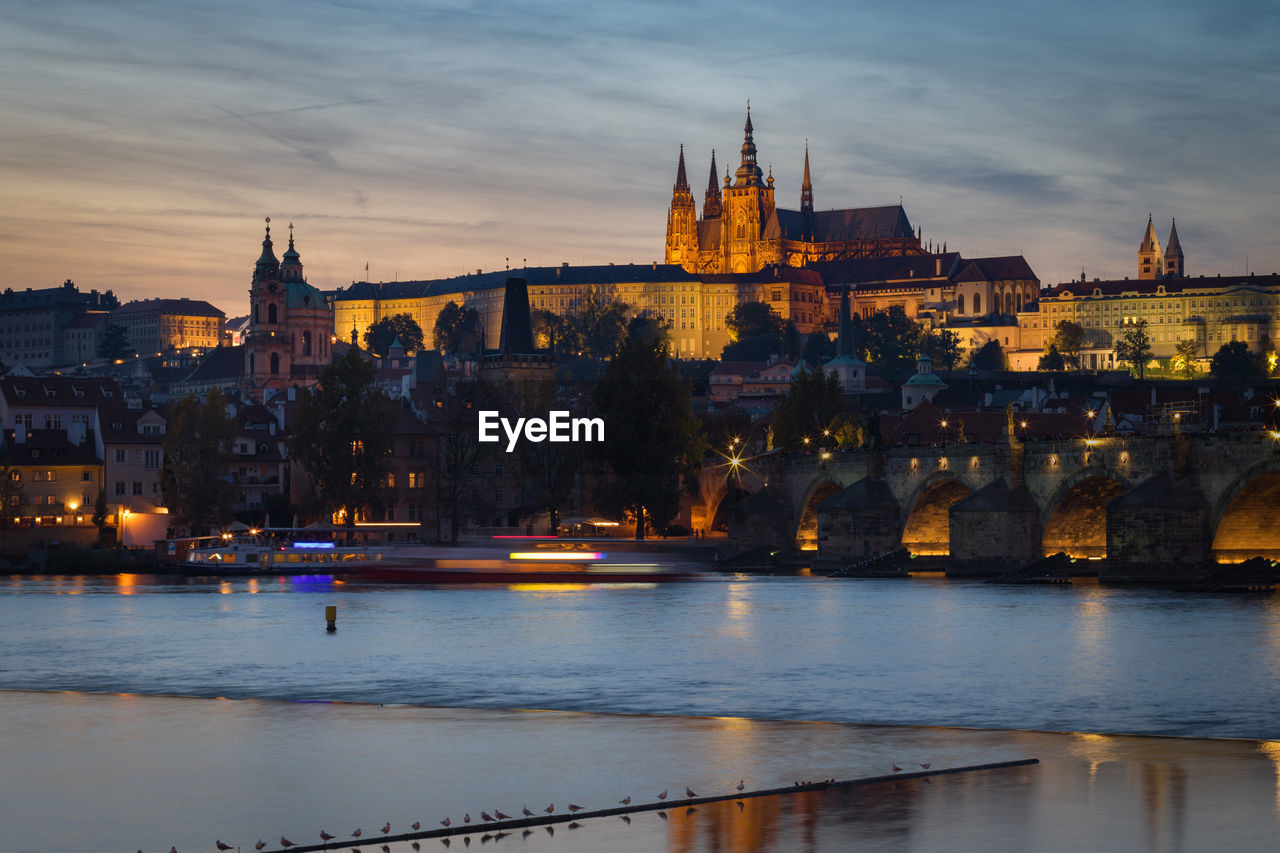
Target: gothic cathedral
x,y
742,230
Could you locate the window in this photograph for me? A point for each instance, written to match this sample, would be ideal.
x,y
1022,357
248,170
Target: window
x,y
120,454
119,487
977,303
152,459
137,487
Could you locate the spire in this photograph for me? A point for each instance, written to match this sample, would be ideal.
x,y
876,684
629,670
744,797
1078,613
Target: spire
x,y
806,188
1149,241
749,174
1174,262
711,203
1150,257
267,266
682,180
291,267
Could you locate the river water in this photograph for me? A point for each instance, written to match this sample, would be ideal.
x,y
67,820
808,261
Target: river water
x,y
405,713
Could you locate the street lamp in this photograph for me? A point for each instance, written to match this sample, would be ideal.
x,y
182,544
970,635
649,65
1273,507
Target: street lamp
x,y
124,516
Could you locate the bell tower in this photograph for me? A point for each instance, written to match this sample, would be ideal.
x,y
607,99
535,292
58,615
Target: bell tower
x,y
748,202
1150,257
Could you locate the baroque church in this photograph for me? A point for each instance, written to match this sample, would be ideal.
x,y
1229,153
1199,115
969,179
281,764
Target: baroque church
x,y
742,230
290,324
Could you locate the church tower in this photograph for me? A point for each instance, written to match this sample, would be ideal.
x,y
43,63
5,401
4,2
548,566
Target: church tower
x,y
1150,258
1174,263
267,346
682,222
748,204
290,324
806,188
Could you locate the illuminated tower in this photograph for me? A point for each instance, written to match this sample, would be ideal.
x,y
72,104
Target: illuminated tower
x,y
748,204
806,188
1150,258
682,222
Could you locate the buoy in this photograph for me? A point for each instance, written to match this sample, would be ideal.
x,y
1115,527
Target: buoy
x,y
331,616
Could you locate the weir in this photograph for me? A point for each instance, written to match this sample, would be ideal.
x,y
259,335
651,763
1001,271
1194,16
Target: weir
x,y
661,805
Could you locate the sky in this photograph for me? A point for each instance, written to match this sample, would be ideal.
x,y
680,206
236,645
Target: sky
x,y
143,142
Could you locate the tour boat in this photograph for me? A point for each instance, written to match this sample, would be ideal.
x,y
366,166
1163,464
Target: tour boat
x,y
546,561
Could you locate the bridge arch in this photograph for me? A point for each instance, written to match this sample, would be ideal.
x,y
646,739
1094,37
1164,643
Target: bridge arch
x,y
926,527
1075,520
807,529
1246,521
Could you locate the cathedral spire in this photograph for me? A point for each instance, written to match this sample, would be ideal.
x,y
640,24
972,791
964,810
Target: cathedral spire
x,y
711,203
682,180
806,188
749,174
291,265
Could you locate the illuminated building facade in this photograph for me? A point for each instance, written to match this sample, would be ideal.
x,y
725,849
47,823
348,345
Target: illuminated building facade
x,y
34,324
164,325
742,230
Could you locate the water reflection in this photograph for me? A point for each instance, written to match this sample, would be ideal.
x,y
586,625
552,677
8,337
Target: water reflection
x,y
126,772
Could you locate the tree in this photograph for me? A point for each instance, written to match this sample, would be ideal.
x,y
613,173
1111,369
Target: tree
x,y
1134,347
891,339
753,319
383,333
942,347
457,330
197,453
459,457
757,332
342,437
990,356
1069,340
848,430
1052,360
651,436
600,324
1234,361
818,347
114,342
556,333
812,402
1184,359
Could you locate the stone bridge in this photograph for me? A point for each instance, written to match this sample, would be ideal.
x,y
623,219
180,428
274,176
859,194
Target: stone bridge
x,y
1155,507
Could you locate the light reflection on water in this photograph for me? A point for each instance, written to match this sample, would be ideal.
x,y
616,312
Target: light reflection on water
x,y
916,652
133,771
88,771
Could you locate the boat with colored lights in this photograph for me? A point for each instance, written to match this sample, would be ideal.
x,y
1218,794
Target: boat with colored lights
x,y
515,562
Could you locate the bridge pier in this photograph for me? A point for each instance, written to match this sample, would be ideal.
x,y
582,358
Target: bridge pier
x,y
1158,532
863,520
993,531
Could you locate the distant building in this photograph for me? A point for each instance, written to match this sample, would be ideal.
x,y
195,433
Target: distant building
x,y
163,325
32,323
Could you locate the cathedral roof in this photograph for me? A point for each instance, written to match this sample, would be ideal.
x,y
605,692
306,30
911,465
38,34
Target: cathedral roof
x,y
1175,247
1008,268
890,268
853,223
299,294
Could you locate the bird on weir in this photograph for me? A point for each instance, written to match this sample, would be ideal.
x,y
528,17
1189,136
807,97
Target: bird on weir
x,y
386,828
500,816
222,846
663,795
326,837
626,801
416,825
285,843
357,833
445,822
742,783
525,810
260,844
549,809
688,792
574,808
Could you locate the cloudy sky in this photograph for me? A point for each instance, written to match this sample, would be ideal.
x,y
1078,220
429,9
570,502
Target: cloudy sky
x,y
142,142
